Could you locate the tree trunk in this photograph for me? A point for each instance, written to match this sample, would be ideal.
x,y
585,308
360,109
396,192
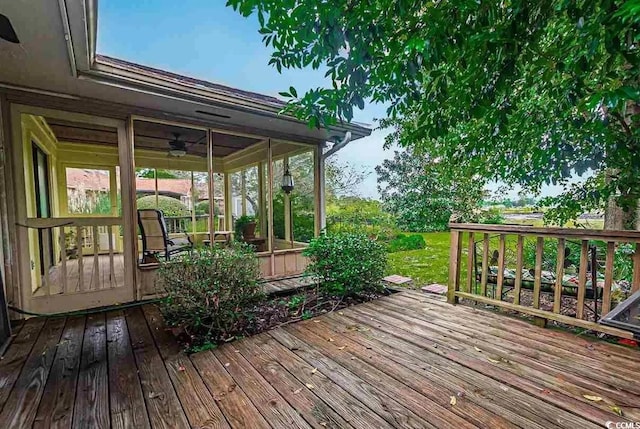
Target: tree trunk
x,y
617,218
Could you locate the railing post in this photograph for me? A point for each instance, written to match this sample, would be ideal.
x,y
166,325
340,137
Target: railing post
x,y
454,266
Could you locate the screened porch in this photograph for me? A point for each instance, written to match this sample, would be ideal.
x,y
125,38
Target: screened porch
x,y
86,178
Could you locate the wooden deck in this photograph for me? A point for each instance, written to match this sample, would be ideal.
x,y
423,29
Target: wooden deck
x,y
406,360
287,285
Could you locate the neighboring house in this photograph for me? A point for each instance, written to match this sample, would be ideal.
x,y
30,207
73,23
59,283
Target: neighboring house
x,y
70,115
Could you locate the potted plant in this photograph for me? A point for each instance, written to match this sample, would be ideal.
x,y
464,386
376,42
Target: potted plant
x,y
245,227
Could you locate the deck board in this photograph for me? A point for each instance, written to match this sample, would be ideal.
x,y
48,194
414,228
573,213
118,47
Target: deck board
x,y
56,408
393,362
92,395
22,404
127,406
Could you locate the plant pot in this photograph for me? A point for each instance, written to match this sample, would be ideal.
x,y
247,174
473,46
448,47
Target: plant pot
x,y
249,230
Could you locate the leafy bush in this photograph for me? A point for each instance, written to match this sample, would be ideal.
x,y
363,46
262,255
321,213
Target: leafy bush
x,y
202,208
358,215
303,212
492,216
349,264
170,207
406,242
210,292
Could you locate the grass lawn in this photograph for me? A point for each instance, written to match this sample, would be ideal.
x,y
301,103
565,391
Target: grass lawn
x,y
425,266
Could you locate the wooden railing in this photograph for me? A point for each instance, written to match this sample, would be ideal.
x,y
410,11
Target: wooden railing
x,y
77,254
502,261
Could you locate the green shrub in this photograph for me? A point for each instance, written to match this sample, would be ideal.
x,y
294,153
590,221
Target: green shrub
x,y
202,208
406,242
170,207
210,292
349,264
492,216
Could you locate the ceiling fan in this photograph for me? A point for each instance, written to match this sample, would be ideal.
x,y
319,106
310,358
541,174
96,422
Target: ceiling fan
x,y
177,147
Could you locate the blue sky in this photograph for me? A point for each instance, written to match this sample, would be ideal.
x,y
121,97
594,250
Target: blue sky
x,y
204,39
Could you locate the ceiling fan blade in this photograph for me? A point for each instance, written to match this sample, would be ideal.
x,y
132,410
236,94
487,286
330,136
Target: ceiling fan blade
x,y
6,30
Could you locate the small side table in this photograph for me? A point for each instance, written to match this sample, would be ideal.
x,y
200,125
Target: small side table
x,y
221,237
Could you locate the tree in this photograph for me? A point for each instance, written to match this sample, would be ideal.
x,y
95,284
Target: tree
x,y
413,188
525,92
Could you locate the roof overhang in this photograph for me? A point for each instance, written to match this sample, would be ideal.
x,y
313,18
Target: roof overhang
x,y
57,59
80,28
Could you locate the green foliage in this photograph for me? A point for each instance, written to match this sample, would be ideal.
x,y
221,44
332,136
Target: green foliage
x,y
150,173
491,216
303,212
422,196
347,264
295,302
210,292
524,92
202,208
240,223
170,207
406,242
354,214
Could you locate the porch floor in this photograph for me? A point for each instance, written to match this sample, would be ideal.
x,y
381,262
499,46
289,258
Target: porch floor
x,y
97,274
407,360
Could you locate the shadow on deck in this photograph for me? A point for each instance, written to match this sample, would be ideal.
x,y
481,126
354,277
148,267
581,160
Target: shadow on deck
x,y
406,360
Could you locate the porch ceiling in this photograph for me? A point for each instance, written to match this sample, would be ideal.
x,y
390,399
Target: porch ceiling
x,y
150,136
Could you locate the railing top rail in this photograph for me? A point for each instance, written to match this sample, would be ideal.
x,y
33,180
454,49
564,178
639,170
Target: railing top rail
x,y
55,222
577,233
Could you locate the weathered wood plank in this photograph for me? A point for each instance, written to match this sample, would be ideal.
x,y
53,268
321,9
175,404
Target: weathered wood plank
x,y
315,412
437,364
163,406
454,266
608,279
582,278
56,407
557,293
92,396
234,403
197,402
271,405
485,265
16,355
557,392
127,406
537,279
551,316
471,280
635,282
331,393
371,393
22,405
603,351
440,394
500,279
472,391
560,370
519,263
